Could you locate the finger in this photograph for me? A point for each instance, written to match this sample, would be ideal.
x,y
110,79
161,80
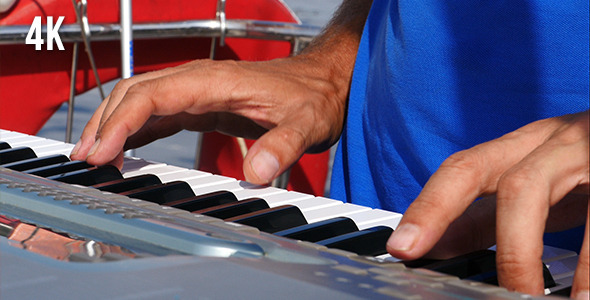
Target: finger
x,y
88,137
473,230
117,161
458,181
154,97
581,283
476,228
121,88
525,194
274,153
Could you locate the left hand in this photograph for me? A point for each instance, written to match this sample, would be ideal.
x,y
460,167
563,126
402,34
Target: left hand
x,y
291,105
539,175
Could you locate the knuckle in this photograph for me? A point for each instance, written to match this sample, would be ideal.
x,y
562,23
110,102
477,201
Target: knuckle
x,y
222,68
463,162
573,133
510,265
140,86
288,140
144,89
517,179
295,139
123,85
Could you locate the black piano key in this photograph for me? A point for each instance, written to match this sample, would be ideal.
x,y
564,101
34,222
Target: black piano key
x,y
16,154
369,242
38,162
320,230
127,184
491,277
90,176
234,209
464,266
4,145
160,194
203,201
59,168
548,280
476,266
566,291
272,219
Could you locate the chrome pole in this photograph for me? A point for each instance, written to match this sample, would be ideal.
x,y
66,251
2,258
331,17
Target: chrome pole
x,y
126,39
70,118
126,46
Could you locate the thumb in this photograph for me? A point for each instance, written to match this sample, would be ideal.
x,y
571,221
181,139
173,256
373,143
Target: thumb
x,y
272,154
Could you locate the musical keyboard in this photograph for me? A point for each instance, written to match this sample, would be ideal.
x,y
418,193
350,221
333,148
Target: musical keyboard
x,y
154,250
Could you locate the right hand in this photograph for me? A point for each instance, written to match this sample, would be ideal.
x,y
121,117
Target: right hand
x,y
292,105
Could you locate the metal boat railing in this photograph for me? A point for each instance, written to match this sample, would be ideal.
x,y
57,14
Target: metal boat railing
x,y
299,35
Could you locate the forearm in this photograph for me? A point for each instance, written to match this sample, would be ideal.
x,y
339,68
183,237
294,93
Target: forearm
x,y
334,50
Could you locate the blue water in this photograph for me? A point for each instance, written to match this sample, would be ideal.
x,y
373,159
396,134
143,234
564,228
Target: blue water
x,y
179,149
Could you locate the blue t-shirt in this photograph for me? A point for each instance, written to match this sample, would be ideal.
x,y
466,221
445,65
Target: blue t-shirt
x,y
435,77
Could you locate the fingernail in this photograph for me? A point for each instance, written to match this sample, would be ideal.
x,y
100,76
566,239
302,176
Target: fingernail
x,y
583,295
265,165
76,148
404,237
93,148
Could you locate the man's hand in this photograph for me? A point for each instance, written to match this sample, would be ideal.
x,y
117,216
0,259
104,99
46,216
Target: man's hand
x,y
288,104
539,175
292,105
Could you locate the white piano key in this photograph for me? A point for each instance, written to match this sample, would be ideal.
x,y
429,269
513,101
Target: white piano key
x,y
183,175
6,134
197,183
62,148
241,189
315,204
41,146
375,217
20,139
33,138
388,258
132,164
230,186
279,199
34,144
155,170
250,190
324,213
